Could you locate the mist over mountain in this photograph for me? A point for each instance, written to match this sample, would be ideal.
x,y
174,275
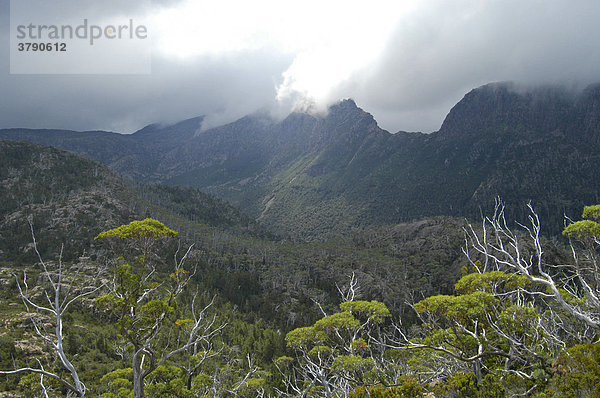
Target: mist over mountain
x,y
319,176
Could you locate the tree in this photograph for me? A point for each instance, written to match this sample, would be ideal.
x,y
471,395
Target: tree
x,y
64,288
495,324
335,355
516,312
574,286
147,311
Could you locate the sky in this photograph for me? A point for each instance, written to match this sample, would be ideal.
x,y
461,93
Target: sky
x,y
406,62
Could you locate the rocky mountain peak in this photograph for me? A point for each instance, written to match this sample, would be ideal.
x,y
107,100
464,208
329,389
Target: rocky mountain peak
x,y
509,108
346,116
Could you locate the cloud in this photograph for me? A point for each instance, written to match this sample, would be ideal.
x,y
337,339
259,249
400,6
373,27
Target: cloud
x,y
441,50
224,90
327,41
407,62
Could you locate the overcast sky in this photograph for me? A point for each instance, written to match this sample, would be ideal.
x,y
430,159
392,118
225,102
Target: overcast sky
x,y
406,62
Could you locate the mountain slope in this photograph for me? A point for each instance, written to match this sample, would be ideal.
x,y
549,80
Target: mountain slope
x,y
69,200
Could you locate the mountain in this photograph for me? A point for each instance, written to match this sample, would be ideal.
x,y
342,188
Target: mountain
x,y
320,176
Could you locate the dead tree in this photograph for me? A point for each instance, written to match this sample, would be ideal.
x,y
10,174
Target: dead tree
x,y
63,289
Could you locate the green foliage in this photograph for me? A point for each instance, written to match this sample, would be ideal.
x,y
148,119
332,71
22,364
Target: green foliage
x,y
591,213
117,374
463,385
360,346
353,364
125,301
491,387
337,343
201,383
491,282
340,321
7,351
305,338
408,388
30,385
465,309
582,229
577,372
284,362
251,387
319,352
587,228
117,383
372,310
493,325
518,320
154,309
167,381
147,228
